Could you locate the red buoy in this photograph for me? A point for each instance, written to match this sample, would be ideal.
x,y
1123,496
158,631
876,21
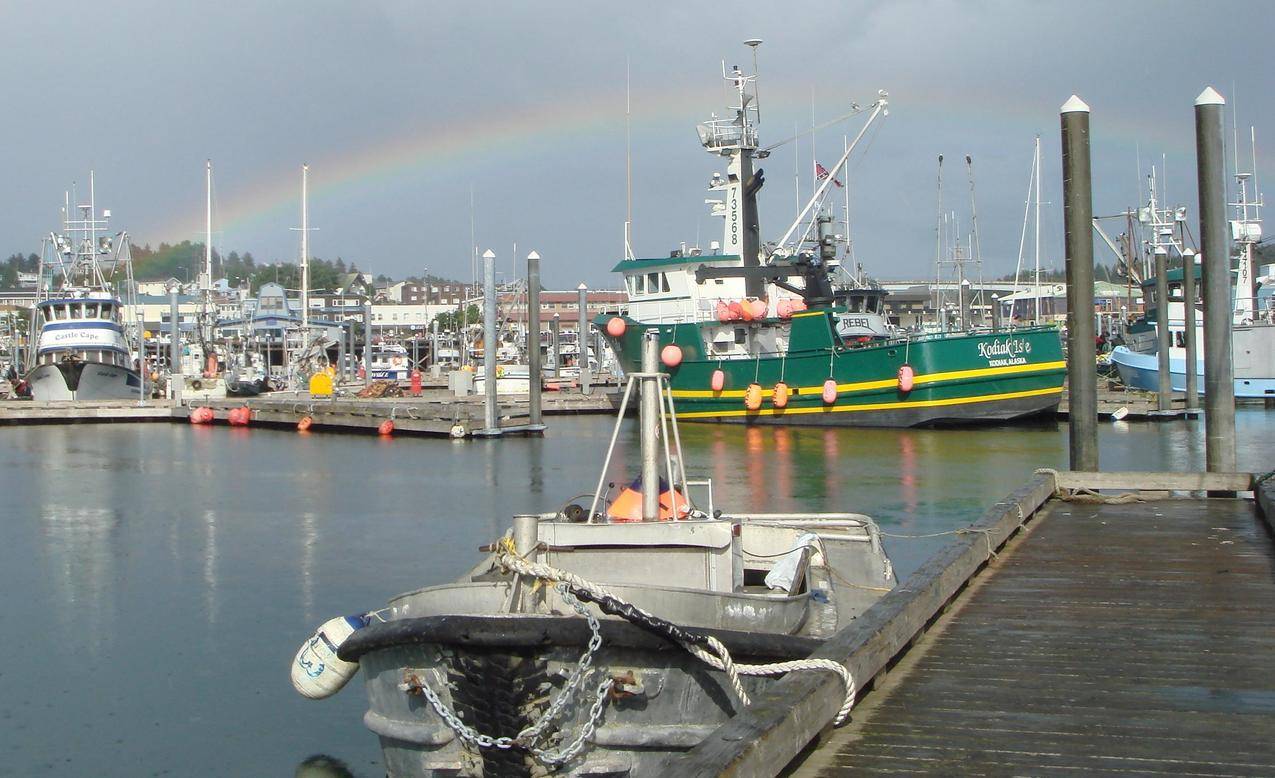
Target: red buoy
x,y
386,428
906,378
616,327
780,396
719,380
304,424
239,417
671,355
830,391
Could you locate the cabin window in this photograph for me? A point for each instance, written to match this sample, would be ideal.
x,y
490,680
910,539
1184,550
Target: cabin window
x,y
639,284
90,310
652,283
664,282
741,335
77,311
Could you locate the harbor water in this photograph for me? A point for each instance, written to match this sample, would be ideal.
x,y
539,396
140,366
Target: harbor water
x,y
159,578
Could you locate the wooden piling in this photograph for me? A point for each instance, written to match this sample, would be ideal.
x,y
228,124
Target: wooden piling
x,y
533,337
1164,385
1189,322
1082,367
1219,372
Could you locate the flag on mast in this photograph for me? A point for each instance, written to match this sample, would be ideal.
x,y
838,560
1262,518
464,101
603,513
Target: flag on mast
x,y
821,173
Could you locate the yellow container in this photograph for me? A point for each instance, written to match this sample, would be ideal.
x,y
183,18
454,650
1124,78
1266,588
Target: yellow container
x,y
320,385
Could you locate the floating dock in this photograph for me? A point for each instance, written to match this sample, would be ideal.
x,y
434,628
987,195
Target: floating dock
x,y
1089,623
71,412
1137,404
437,412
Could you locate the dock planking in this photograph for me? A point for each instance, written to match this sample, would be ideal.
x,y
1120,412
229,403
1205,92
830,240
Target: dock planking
x,y
1110,638
784,724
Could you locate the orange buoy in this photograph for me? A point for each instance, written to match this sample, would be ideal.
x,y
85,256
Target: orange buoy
x,y
386,428
304,424
627,506
719,380
616,326
736,310
784,308
759,309
746,310
752,397
830,391
723,312
799,304
671,355
239,417
779,398
201,416
906,377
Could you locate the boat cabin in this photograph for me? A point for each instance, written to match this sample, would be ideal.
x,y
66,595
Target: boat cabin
x,y
85,329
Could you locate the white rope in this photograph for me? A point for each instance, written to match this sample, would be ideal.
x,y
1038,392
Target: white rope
x,y
717,657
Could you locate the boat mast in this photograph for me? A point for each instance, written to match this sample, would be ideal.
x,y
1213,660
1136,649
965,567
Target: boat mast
x,y
205,279
976,247
628,164
736,139
938,248
305,258
1036,288
1246,230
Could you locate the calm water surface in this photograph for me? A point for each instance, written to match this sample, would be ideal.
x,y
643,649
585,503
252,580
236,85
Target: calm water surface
x,y
157,579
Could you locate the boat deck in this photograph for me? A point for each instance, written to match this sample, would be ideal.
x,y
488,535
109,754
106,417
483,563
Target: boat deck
x,y
1113,639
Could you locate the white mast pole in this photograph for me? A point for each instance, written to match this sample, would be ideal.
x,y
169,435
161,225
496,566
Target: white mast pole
x,y
845,144
305,258
208,222
938,247
628,165
1036,288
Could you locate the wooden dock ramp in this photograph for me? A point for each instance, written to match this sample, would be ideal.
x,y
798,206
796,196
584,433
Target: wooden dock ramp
x,y
1134,636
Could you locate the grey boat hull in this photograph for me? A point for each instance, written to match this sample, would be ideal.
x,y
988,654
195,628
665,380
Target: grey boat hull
x,y
499,673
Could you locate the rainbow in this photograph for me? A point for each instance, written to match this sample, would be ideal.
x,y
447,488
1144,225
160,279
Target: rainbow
x,y
442,151
568,123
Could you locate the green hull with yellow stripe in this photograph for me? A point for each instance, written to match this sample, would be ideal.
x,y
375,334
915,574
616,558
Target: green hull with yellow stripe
x,y
959,378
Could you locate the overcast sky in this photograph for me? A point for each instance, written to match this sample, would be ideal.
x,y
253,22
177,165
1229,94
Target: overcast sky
x,y
403,108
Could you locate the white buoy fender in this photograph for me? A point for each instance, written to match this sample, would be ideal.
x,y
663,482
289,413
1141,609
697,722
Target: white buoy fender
x,y
317,672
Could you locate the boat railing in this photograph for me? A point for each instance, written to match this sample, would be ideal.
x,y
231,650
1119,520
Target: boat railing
x,y
726,134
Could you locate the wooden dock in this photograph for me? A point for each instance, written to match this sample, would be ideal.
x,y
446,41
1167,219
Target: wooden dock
x,y
437,412
14,412
1137,404
1132,632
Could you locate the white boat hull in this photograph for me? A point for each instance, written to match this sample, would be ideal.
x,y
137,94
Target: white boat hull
x,y
84,381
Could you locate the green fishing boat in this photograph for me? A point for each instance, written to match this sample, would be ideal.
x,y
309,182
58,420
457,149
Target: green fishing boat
x,y
768,335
